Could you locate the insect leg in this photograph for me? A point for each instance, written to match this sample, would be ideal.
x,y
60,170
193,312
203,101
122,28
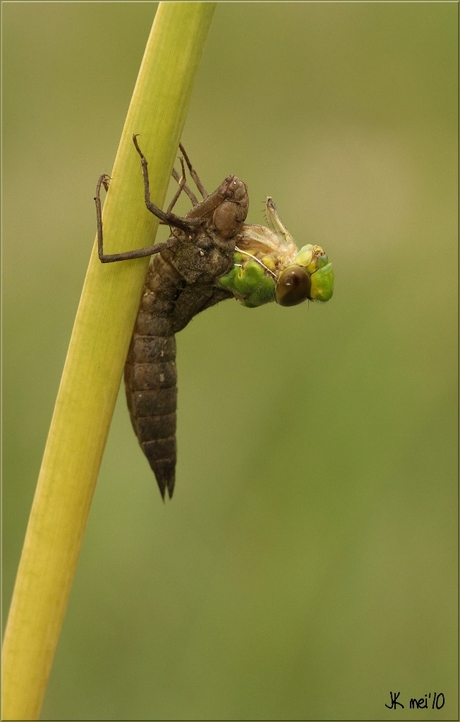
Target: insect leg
x,y
168,218
193,173
181,186
185,224
103,180
187,190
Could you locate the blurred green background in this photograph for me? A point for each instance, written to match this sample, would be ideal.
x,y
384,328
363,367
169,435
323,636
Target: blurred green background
x,y
308,562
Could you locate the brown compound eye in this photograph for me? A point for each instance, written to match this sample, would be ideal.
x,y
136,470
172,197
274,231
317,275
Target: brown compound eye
x,y
293,286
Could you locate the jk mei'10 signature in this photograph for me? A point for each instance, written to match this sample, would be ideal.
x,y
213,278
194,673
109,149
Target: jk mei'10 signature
x,y
436,700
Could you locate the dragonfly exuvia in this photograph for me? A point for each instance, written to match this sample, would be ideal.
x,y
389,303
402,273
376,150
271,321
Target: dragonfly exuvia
x,y
211,255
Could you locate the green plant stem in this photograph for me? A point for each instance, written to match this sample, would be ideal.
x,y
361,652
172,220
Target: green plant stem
x,y
95,358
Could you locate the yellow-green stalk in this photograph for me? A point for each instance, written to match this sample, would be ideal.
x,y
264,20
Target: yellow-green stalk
x,y
96,356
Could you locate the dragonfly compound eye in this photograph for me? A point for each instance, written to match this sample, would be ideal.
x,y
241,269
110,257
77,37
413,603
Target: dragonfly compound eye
x,y
293,286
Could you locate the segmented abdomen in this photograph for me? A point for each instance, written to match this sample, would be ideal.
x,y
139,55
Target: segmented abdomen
x,y
150,373
168,303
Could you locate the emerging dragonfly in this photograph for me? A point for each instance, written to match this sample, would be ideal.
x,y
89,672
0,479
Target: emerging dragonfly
x,y
211,255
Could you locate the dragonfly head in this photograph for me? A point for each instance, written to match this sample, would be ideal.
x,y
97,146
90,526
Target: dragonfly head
x,y
310,277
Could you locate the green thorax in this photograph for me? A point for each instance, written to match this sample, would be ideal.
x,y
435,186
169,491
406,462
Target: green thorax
x,y
269,267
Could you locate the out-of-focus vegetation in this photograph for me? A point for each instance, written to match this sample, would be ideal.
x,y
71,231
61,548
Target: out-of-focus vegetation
x,y
307,564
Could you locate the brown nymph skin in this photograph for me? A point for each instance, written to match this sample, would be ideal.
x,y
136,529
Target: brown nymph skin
x,y
181,282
